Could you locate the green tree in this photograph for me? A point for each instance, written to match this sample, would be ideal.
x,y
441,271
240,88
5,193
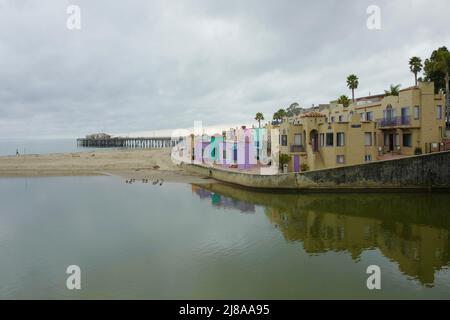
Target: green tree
x,y
415,65
279,115
393,90
293,110
432,71
437,69
259,117
352,84
344,100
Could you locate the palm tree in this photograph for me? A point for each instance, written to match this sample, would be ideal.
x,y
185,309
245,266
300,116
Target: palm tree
x,y
352,83
279,115
393,90
344,100
415,65
259,117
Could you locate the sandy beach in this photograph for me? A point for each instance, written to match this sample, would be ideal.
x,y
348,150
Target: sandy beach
x,y
138,164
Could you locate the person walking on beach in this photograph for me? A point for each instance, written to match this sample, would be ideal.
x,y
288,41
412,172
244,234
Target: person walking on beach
x,y
17,152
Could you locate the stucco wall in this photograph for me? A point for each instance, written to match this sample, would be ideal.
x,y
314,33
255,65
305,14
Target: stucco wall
x,y
430,171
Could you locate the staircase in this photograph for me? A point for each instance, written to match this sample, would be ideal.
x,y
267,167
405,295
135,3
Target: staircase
x,y
318,161
446,142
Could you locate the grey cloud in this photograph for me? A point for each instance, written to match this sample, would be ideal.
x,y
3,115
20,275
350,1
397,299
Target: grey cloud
x,y
149,65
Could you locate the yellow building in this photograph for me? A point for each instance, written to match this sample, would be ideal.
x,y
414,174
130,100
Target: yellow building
x,y
372,128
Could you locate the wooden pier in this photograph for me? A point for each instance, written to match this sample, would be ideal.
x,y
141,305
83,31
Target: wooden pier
x,y
127,142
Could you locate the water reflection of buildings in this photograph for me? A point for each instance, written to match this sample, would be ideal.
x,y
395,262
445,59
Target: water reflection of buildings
x,y
412,231
223,201
419,250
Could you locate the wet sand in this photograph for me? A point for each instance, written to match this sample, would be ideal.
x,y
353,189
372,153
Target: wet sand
x,y
149,164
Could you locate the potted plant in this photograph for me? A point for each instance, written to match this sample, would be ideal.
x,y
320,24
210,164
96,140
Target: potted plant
x,y
304,167
417,151
284,160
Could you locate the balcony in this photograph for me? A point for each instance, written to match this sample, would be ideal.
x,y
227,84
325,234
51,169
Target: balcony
x,y
394,121
297,148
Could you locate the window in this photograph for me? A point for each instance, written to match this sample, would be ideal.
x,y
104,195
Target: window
x,y
439,112
386,140
332,119
340,139
322,139
407,141
284,140
389,113
298,139
405,115
367,158
329,140
362,114
405,111
416,112
340,159
340,119
369,116
368,139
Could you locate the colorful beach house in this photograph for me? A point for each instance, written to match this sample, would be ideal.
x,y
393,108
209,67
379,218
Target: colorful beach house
x,y
235,148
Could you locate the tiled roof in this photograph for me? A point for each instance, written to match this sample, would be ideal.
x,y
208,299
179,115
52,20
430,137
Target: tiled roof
x,y
312,114
409,88
376,96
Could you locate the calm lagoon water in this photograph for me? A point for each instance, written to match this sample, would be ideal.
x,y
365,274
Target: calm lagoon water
x,y
181,241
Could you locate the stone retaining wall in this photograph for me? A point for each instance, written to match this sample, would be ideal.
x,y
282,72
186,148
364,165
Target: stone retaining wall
x,y
424,172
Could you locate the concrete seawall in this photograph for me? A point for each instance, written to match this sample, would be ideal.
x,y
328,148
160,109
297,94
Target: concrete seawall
x,y
423,172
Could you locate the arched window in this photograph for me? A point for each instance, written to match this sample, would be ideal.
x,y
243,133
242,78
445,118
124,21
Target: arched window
x,y
389,112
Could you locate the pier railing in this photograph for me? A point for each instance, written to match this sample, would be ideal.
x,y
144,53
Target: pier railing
x,y
127,142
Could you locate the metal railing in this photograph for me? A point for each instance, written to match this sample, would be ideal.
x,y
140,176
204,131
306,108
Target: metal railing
x,y
297,148
394,121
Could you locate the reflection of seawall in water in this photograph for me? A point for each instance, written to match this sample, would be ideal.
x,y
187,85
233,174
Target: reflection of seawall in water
x,y
223,201
410,229
418,249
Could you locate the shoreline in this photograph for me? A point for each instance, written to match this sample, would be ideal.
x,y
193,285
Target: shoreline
x,y
411,174
428,172
125,163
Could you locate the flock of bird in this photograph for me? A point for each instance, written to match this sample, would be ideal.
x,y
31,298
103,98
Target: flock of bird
x,y
158,181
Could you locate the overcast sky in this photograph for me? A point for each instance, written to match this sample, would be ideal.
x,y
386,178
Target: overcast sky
x,y
140,65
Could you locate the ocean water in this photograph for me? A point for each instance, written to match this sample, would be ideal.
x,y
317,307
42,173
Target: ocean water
x,y
8,147
182,241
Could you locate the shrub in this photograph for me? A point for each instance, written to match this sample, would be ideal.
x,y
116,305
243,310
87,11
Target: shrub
x,y
284,159
418,151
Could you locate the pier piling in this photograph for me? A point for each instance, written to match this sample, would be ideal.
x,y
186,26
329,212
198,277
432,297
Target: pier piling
x,y
128,142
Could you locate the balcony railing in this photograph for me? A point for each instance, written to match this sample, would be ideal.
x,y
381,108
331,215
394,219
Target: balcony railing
x,y
297,148
394,121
